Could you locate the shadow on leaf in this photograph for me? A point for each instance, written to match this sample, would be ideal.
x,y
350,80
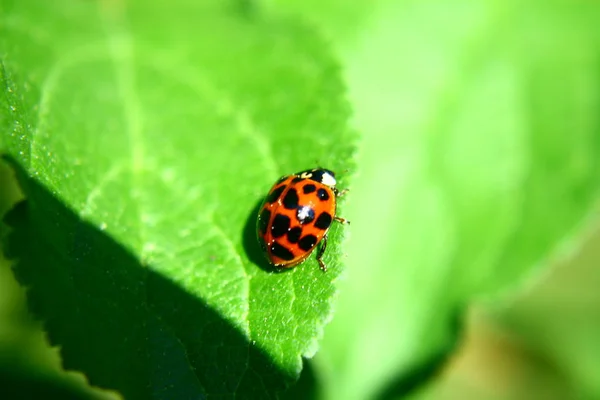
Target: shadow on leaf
x,y
122,324
251,246
306,386
250,240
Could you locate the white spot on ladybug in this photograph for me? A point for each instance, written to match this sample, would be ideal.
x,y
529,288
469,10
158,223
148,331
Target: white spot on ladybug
x,y
328,179
304,213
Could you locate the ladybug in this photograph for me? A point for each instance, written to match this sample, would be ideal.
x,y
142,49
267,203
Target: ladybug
x,y
296,215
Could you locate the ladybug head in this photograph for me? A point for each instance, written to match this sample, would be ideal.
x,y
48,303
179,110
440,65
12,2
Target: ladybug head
x,y
321,175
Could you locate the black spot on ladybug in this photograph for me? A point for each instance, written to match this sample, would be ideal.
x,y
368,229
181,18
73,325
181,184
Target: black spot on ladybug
x,y
281,252
309,188
305,215
294,234
263,220
307,242
281,224
323,221
290,201
272,198
322,194
297,179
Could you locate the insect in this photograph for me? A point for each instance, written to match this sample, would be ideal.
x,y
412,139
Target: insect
x,y
296,215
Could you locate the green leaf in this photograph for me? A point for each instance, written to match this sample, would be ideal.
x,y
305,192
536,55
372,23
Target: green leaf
x,y
480,158
144,135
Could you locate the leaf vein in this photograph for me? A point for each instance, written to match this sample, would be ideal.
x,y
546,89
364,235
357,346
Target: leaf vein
x,y
224,105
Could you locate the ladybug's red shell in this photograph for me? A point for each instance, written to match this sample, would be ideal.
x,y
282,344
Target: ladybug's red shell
x,y
296,216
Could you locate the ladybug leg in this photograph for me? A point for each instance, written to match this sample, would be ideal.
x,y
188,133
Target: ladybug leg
x,y
342,221
321,252
340,193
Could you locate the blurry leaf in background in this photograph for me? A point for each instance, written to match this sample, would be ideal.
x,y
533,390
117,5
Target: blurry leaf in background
x,y
480,157
494,363
543,344
560,317
144,135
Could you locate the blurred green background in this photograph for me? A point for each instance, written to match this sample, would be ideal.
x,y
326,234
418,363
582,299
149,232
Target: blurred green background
x,y
474,201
